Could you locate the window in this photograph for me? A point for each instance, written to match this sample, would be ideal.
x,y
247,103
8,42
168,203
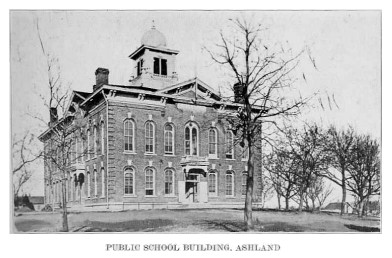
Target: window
x,y
129,135
245,153
169,179
95,139
212,183
103,182
229,178
149,181
129,182
229,145
169,139
160,66
150,137
88,144
88,184
212,143
191,140
95,183
83,146
244,178
102,138
140,67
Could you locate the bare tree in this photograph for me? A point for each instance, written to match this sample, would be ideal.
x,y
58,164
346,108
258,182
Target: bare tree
x,y
339,146
261,76
318,191
307,150
22,157
364,170
59,145
280,167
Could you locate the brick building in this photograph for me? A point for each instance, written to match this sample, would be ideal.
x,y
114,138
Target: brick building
x,y
153,142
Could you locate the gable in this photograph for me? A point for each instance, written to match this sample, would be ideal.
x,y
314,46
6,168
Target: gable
x,y
190,94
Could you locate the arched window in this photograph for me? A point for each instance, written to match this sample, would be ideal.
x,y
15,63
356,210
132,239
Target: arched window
x,y
229,145
191,139
102,138
150,181
213,143
103,182
129,182
88,184
95,183
95,139
169,182
229,178
212,183
88,144
150,137
129,136
169,139
244,178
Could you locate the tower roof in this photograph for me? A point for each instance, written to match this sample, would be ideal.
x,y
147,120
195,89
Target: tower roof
x,y
153,38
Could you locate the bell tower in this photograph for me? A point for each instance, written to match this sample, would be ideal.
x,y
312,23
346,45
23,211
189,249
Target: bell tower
x,y
154,62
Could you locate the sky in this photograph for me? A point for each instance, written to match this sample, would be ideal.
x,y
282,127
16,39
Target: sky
x,y
345,44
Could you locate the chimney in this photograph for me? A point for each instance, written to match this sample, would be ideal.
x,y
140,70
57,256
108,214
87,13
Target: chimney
x,y
239,92
101,77
53,116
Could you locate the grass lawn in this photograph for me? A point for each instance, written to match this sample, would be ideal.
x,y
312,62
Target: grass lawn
x,y
188,221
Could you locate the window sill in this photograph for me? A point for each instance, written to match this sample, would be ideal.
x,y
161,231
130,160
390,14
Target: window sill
x,y
102,197
244,159
169,196
213,196
169,155
229,159
130,195
213,157
150,154
230,197
129,152
150,196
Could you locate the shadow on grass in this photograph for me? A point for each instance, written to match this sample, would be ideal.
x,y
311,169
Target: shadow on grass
x,y
30,225
361,228
236,226
126,226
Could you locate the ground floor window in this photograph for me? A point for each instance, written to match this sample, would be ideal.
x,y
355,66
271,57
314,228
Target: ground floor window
x,y
229,178
129,181
243,183
150,181
212,183
169,179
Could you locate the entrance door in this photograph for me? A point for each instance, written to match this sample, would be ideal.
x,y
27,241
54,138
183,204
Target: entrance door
x,y
191,192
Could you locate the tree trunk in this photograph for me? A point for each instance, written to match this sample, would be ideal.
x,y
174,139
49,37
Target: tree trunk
x,y
313,205
360,208
301,201
249,193
64,204
287,203
279,205
343,205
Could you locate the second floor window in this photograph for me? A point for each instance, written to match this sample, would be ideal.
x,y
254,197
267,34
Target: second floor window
x,y
229,145
212,143
129,136
102,138
191,139
160,66
169,139
150,137
95,142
